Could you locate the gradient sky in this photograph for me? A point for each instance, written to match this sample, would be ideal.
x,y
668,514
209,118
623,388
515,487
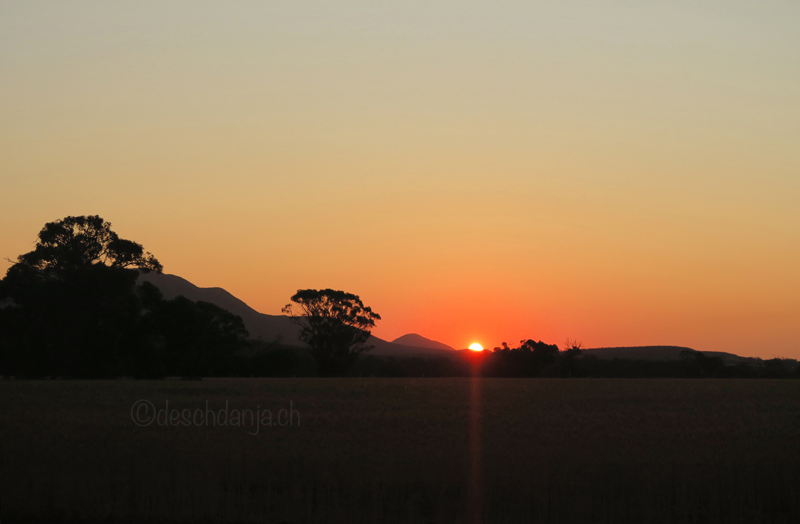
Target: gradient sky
x,y
619,172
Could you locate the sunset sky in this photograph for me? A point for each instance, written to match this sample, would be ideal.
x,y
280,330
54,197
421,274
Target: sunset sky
x,y
617,172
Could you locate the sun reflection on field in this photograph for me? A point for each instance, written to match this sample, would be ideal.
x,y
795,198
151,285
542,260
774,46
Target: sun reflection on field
x,y
475,506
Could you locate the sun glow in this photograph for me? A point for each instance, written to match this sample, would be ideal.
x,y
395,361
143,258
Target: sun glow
x,y
476,347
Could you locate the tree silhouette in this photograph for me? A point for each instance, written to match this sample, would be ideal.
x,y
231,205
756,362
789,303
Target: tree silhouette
x,y
69,306
335,325
72,308
530,359
191,339
572,350
76,323
80,242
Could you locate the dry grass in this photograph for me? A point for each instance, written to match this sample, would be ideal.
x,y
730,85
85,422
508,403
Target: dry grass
x,y
397,450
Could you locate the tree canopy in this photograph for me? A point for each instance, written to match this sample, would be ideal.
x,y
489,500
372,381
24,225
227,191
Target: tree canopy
x,y
335,325
82,241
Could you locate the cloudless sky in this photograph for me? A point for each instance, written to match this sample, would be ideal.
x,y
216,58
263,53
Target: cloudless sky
x,y
619,172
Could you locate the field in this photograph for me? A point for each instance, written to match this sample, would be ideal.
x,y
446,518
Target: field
x,y
402,450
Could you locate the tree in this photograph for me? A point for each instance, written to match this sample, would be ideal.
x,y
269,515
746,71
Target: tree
x,y
528,360
572,350
192,339
72,307
539,355
80,242
335,325
79,324
69,307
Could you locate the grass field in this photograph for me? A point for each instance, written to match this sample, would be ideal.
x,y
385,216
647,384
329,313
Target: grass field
x,y
399,450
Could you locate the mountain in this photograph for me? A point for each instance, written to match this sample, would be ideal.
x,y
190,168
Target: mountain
x,y
259,325
414,340
270,327
660,353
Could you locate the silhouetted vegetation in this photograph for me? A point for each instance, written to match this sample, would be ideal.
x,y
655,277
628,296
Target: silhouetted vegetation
x,y
195,339
530,359
335,325
271,360
79,243
538,359
71,308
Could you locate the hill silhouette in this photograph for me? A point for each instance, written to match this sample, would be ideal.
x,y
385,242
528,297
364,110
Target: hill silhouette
x,y
415,340
661,353
271,327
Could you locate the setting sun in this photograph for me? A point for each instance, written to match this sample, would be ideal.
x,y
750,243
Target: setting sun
x,y
476,347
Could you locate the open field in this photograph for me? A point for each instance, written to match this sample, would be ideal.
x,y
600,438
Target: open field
x,y
398,450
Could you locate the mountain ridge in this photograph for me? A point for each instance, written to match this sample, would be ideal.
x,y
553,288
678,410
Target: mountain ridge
x,y
416,340
660,353
280,328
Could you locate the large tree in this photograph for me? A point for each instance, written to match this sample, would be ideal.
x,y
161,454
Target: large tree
x,y
335,325
69,307
84,241
72,307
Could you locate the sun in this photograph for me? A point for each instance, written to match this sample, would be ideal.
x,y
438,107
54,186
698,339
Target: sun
x,y
476,347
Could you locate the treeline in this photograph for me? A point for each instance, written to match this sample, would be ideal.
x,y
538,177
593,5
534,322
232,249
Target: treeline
x,y
96,323
521,362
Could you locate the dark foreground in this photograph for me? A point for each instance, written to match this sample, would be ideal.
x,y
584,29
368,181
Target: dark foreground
x,y
402,450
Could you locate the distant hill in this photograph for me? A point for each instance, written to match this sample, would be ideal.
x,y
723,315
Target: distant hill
x,y
258,324
414,340
660,353
270,327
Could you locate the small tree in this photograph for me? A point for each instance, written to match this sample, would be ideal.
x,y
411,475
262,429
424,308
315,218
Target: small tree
x,y
572,350
335,325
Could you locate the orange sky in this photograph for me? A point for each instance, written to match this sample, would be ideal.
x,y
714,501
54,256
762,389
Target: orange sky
x,y
617,173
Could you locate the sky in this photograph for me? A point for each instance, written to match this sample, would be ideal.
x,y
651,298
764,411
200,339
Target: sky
x,y
620,173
